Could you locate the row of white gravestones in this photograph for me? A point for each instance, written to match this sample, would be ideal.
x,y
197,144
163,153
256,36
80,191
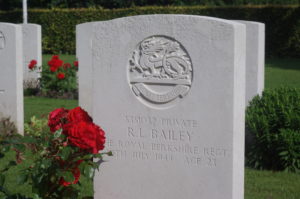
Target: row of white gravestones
x,y
169,90
32,50
11,74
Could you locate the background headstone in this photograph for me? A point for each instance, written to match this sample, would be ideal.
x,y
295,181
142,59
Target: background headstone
x,y
84,51
169,90
11,74
32,50
255,59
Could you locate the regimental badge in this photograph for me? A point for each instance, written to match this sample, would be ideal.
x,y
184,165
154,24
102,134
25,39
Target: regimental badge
x,y
2,41
160,71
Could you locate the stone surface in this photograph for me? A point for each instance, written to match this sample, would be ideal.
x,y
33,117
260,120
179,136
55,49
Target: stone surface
x,y
169,90
255,59
32,49
11,74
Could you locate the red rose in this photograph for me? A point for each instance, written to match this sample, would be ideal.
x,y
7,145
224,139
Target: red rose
x,y
32,64
76,174
85,135
53,69
78,114
75,63
60,75
56,117
55,63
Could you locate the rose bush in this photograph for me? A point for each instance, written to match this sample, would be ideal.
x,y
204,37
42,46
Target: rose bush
x,y
63,154
59,79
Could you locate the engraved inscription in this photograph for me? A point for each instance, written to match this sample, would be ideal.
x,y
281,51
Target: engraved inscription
x,y
2,41
160,70
154,138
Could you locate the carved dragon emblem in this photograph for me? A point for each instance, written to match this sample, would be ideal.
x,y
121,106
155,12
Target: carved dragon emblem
x,y
161,61
161,58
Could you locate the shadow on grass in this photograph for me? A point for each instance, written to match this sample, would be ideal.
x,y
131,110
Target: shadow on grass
x,y
286,63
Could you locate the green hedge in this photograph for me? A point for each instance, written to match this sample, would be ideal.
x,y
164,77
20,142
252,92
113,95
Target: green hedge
x,y
282,23
12,4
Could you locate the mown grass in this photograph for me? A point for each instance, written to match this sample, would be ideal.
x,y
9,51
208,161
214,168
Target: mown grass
x,y
40,107
271,185
282,72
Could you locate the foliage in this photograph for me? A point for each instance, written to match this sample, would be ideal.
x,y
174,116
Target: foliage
x,y
9,140
7,128
60,161
282,23
36,127
59,79
273,124
11,4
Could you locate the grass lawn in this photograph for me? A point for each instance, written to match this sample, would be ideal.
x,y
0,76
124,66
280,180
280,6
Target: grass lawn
x,y
258,184
271,185
40,107
279,72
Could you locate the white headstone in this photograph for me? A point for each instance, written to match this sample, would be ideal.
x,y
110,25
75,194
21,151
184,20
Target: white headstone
x,y
255,59
11,74
84,51
169,90
32,50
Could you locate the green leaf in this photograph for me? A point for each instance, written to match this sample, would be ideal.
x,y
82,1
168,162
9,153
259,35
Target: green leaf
x,y
11,163
5,148
22,178
20,147
89,171
57,133
45,163
65,153
98,155
53,179
2,180
29,140
39,178
35,196
68,176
